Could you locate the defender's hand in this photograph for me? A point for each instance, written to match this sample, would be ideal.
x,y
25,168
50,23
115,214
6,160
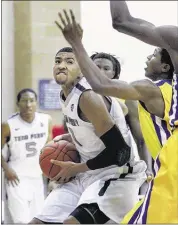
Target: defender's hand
x,y
71,30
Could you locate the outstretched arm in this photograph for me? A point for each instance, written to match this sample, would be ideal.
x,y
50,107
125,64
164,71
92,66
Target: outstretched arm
x,y
100,84
144,90
124,22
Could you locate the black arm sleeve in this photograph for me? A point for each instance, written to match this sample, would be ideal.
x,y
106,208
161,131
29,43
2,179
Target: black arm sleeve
x,y
117,152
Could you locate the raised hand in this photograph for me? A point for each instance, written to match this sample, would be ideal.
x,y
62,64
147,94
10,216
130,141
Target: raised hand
x,y
71,30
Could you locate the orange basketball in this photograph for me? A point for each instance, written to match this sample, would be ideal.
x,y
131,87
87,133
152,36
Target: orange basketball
x,y
62,151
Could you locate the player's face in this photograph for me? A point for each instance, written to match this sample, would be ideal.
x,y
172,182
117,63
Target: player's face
x,y
66,69
106,67
154,65
27,104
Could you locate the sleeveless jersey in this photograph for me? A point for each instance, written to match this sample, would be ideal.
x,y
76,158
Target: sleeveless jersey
x,y
26,142
162,144
174,104
83,133
156,130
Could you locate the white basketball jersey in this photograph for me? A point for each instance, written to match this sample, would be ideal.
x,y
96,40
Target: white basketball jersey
x,y
26,142
83,134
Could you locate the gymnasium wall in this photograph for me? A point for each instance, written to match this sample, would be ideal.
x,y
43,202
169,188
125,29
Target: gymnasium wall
x,y
30,41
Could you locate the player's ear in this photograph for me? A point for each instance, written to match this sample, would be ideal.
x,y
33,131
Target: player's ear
x,y
165,68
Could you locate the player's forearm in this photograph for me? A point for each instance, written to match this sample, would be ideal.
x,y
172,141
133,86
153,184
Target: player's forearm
x,y
117,152
88,68
81,167
4,163
144,155
119,11
141,29
120,14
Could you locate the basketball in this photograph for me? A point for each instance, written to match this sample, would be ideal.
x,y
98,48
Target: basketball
x,y
62,151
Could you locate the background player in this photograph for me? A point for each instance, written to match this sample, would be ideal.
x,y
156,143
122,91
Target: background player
x,y
110,67
26,132
89,197
155,100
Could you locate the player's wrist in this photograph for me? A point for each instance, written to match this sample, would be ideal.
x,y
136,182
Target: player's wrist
x,y
6,168
81,167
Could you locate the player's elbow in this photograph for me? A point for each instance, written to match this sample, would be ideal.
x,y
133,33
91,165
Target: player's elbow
x,y
121,25
116,24
97,88
101,86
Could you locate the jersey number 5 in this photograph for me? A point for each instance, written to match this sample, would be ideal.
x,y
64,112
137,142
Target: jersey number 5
x,y
30,147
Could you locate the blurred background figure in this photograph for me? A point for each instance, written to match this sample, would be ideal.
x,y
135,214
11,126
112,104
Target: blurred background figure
x,y
25,134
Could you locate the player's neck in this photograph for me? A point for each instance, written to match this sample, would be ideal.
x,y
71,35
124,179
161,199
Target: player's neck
x,y
28,118
163,76
68,87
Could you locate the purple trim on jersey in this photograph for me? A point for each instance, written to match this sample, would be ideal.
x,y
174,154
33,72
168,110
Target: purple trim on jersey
x,y
135,215
173,114
153,169
144,217
147,199
161,82
157,129
164,126
80,87
158,163
14,115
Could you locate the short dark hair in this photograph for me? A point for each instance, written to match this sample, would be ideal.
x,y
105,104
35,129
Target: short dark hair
x,y
65,49
19,95
165,58
112,58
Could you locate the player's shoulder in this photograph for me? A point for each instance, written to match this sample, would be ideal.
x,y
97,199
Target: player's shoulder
x,y
142,82
5,125
83,85
90,98
14,116
144,85
5,129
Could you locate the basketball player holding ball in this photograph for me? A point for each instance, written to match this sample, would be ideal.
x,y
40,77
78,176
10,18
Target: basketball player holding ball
x,y
61,150
98,129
